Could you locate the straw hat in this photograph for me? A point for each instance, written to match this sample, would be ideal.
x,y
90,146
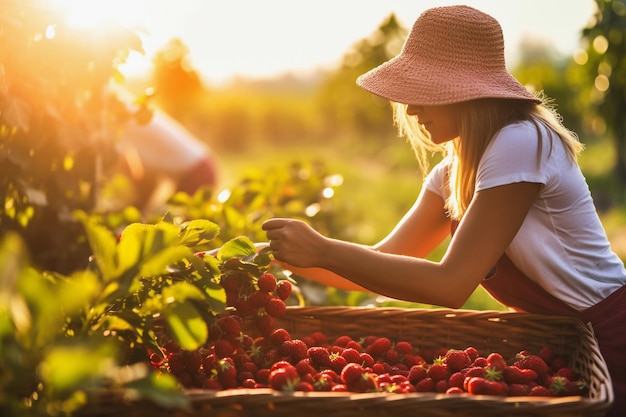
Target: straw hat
x,y
452,54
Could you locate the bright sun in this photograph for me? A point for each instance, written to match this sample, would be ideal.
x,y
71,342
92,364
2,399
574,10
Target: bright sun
x,y
102,15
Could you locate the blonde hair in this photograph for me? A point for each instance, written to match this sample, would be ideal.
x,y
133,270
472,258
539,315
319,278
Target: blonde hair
x,y
478,121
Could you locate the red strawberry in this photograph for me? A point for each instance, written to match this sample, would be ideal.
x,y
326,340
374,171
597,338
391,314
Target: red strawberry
x,y
441,386
367,360
352,373
337,362
342,341
438,370
379,346
283,289
454,390
456,360
477,385
472,353
514,375
226,373
568,373
540,391
535,363
319,337
352,344
267,282
279,336
284,378
223,348
304,367
404,348
276,307
297,350
496,361
519,390
547,354
265,324
456,380
351,355
319,356
304,386
425,385
230,326
391,356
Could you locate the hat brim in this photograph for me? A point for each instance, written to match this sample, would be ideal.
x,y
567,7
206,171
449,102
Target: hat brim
x,y
407,82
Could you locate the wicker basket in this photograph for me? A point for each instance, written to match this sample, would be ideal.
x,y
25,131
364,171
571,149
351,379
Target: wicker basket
x,y
488,331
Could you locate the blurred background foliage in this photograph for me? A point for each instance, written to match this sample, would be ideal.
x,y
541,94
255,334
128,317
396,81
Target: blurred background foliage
x,y
313,146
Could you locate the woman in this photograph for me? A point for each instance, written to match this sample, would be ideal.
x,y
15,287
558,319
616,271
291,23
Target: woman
x,y
509,189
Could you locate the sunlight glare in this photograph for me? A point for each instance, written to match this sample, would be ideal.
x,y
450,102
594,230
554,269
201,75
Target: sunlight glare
x,y
93,13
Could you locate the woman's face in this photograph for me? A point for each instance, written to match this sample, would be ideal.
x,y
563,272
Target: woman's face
x,y
439,121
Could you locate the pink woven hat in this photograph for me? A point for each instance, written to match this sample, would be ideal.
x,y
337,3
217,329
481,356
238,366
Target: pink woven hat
x,y
452,54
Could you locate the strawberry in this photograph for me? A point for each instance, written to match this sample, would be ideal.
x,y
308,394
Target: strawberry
x,y
481,386
540,391
284,378
297,350
283,290
223,348
367,360
425,385
267,282
319,356
323,382
353,344
276,307
547,354
226,373
259,299
304,367
438,370
535,363
454,390
279,336
456,380
514,375
391,356
351,355
379,346
352,373
519,390
404,348
456,360
337,362
229,326
441,386
342,341
304,386
265,324
495,360
320,339
568,373
472,353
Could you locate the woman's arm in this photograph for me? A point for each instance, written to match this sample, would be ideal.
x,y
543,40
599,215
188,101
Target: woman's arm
x,y
423,227
491,222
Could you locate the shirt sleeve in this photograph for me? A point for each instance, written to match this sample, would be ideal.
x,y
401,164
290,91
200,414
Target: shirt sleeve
x,y
514,156
435,180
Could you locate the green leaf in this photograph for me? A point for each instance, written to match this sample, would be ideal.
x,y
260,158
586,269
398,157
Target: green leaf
x,y
181,292
239,247
157,264
66,368
103,246
162,389
188,328
199,232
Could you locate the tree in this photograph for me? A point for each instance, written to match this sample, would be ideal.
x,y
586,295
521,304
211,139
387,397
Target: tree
x,y
605,60
342,102
58,125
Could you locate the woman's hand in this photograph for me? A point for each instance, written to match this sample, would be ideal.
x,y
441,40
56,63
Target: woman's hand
x,y
295,242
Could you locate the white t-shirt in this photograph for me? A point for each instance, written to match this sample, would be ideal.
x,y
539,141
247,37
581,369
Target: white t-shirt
x,y
562,244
